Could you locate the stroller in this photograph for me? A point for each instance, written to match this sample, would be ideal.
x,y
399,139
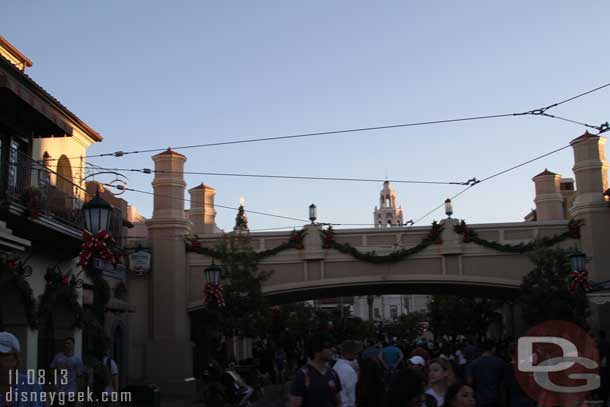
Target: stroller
x,y
237,391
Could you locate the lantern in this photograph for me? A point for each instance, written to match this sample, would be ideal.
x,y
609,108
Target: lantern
x,y
98,214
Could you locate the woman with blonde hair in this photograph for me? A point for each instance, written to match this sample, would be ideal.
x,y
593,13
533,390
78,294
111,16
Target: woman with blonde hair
x,y
438,379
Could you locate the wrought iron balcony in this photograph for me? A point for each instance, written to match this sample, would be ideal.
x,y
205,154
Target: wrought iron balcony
x,y
28,190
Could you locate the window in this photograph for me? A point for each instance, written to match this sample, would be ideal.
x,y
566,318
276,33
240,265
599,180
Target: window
x,y
64,175
13,163
394,311
377,313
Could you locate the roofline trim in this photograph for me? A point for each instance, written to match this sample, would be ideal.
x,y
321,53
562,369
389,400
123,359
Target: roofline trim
x,y
16,53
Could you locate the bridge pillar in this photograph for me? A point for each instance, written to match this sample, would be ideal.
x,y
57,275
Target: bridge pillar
x,y
591,206
168,350
312,243
549,201
202,213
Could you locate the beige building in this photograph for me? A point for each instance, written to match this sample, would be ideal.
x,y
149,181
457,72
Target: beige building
x,y
43,149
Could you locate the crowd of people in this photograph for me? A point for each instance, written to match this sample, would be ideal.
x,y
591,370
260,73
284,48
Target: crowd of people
x,y
394,374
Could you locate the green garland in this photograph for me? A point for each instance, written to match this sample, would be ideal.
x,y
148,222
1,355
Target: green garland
x,y
329,242
470,236
295,242
58,286
16,273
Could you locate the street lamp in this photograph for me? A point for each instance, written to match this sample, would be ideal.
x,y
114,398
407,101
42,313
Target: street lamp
x,y
212,274
313,212
577,262
448,207
98,214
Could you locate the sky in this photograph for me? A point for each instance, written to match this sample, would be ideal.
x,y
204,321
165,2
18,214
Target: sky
x,y
151,74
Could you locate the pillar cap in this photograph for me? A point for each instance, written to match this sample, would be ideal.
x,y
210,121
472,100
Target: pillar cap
x,y
203,186
544,173
585,136
169,151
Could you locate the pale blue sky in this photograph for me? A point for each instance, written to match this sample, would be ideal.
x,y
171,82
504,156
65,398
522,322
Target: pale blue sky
x,y
156,74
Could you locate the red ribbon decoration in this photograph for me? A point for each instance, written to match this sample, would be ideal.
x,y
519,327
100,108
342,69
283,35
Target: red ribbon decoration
x,y
581,278
214,291
97,244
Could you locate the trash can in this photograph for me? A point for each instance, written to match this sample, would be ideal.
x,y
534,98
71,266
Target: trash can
x,y
145,395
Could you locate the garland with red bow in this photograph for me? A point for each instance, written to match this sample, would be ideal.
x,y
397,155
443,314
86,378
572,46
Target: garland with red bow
x,y
214,291
471,236
329,241
579,278
97,244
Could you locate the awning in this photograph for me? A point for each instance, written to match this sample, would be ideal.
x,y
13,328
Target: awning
x,y
35,102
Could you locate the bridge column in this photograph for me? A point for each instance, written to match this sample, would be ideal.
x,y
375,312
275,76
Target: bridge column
x,y
549,201
169,349
452,248
591,172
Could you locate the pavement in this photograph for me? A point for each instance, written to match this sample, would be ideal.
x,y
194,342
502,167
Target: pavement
x,y
275,396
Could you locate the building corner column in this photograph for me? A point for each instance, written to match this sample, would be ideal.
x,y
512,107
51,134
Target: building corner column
x,y
169,350
591,207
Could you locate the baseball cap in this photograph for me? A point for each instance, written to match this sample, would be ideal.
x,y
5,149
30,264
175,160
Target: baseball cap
x,y
417,360
8,342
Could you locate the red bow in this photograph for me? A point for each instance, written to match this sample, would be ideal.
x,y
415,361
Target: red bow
x,y
582,278
214,291
96,245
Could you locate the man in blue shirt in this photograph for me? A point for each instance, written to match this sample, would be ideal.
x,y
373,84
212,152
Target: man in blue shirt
x,y
391,356
14,389
487,375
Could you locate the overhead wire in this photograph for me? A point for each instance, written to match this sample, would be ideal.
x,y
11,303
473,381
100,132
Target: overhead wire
x,y
273,176
534,112
124,188
494,175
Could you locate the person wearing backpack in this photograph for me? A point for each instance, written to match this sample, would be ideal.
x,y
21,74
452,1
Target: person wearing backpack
x,y
316,384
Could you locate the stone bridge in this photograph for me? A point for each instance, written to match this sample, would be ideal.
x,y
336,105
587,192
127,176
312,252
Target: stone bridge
x,y
449,266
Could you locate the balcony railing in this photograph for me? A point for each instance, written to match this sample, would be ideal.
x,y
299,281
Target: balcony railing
x,y
28,184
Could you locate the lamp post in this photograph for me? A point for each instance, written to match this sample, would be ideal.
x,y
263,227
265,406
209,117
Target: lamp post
x,y
98,216
212,274
577,262
213,294
313,213
448,208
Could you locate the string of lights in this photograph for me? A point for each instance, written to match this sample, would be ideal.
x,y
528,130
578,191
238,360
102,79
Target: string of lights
x,y
534,112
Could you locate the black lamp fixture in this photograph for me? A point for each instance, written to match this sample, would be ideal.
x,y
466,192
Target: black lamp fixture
x,y
448,207
212,273
97,213
577,261
313,213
